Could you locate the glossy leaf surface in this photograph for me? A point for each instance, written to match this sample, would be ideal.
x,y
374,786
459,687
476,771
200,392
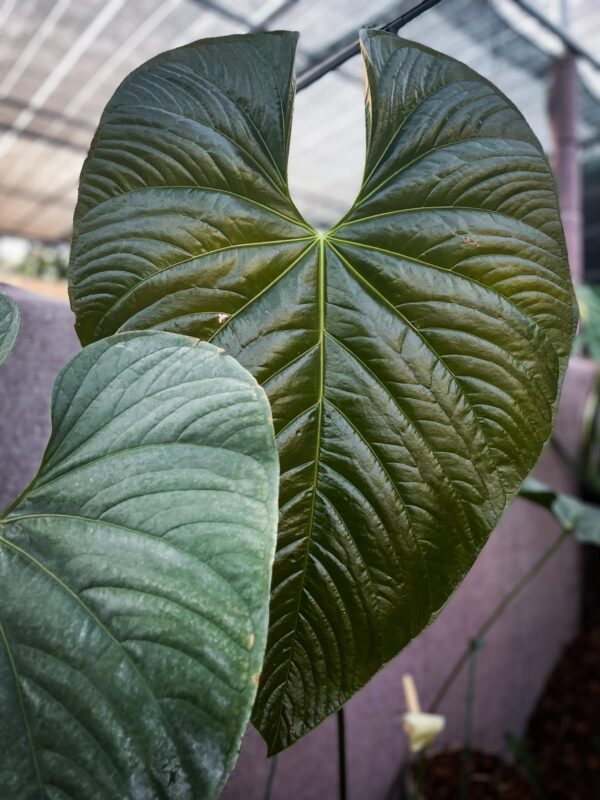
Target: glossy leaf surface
x,y
412,355
9,326
134,575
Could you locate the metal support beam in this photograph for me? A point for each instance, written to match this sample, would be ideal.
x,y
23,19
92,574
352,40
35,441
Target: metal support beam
x,y
568,41
261,19
268,13
562,107
339,57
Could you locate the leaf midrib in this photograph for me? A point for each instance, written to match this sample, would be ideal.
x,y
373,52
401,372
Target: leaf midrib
x,y
321,300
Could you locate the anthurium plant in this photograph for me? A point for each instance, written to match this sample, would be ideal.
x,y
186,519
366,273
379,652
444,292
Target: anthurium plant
x,y
412,355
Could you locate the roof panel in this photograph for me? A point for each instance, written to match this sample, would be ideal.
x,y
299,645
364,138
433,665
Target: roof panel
x,y
41,160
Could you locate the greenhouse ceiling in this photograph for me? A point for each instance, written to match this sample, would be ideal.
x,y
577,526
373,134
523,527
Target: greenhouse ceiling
x,y
61,60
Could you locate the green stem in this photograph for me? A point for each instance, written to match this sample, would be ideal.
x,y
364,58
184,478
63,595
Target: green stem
x,y
497,613
421,771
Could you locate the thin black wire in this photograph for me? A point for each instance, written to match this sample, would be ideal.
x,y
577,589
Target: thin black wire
x,y
335,60
270,778
342,754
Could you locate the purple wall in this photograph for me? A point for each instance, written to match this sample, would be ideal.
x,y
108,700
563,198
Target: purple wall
x,y
512,668
45,342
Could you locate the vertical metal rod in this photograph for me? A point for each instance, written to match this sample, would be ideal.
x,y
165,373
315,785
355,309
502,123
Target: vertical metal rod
x,y
342,754
563,112
335,60
465,777
270,778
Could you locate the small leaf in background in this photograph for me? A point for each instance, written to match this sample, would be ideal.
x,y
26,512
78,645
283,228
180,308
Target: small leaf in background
x,y
413,354
588,298
135,576
583,519
9,326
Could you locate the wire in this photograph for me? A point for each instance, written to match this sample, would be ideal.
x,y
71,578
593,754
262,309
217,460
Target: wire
x,y
343,784
335,60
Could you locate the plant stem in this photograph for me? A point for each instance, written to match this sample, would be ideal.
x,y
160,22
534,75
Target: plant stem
x,y
270,778
474,646
342,752
421,770
497,613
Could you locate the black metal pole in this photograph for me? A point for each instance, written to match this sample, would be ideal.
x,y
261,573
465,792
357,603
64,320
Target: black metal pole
x,y
335,60
342,753
563,35
270,778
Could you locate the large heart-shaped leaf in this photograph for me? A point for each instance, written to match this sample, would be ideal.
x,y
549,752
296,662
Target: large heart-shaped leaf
x,y
135,574
412,354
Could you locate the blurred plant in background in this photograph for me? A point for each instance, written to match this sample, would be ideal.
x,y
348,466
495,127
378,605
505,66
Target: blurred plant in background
x,y
587,462
32,259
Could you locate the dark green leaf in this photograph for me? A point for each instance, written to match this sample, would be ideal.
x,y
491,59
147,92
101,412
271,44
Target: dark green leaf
x,y
412,355
583,519
10,320
135,576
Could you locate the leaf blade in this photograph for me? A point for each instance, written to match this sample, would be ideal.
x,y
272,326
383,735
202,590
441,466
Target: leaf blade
x,y
391,348
136,572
